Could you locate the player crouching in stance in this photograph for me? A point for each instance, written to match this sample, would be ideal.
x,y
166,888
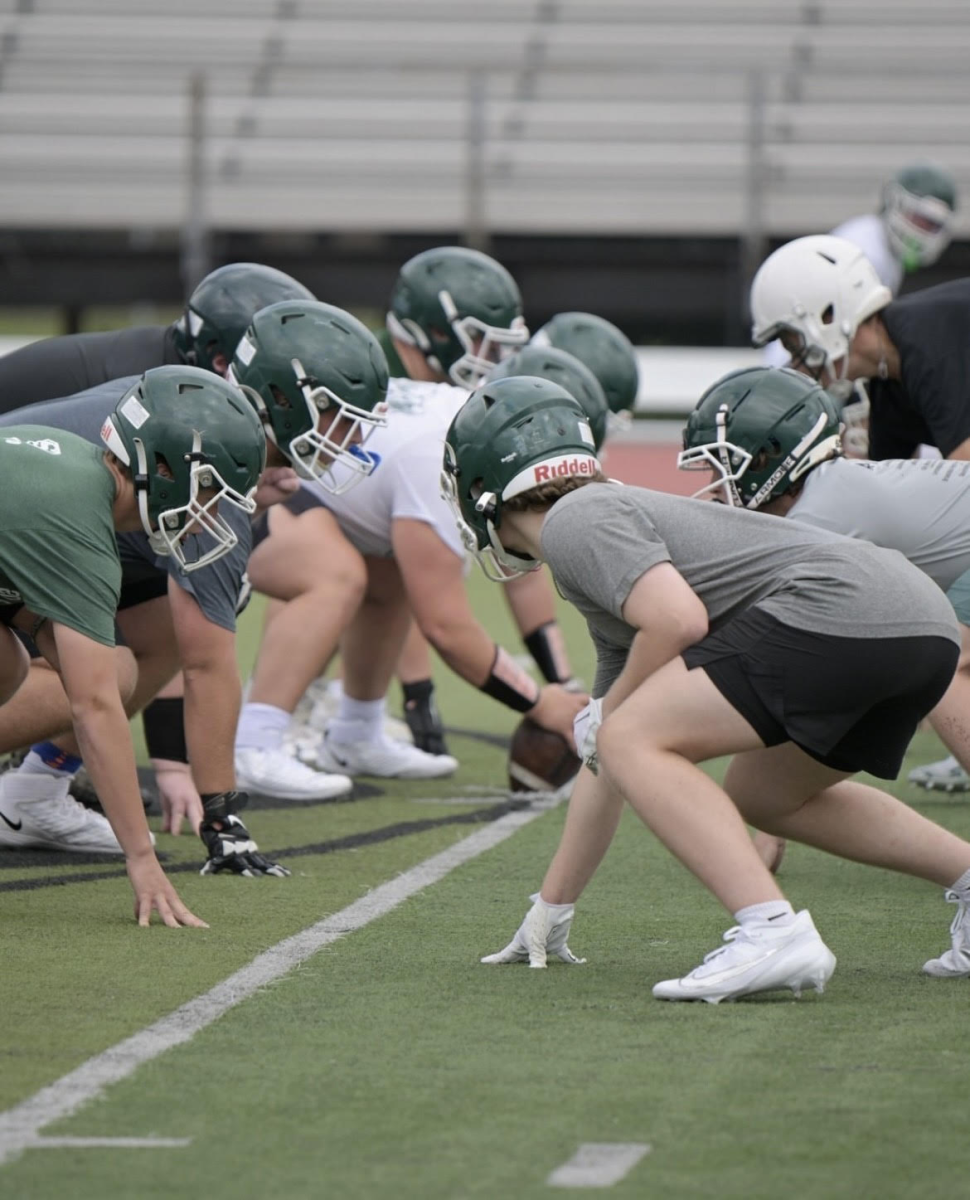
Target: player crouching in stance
x,y
174,453
717,632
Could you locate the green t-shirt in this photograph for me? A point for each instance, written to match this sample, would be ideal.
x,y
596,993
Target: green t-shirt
x,y
58,554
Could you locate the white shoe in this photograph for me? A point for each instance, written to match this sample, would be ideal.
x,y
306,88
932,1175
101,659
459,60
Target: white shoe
x,y
37,811
276,773
384,757
759,957
944,776
955,962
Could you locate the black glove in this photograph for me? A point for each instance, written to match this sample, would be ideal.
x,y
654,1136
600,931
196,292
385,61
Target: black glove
x,y
228,841
423,718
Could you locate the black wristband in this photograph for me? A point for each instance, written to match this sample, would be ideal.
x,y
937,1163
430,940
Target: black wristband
x,y
508,684
545,644
217,805
164,724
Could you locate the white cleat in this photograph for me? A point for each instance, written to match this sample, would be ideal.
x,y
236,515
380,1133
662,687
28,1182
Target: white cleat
x,y
944,776
383,757
759,957
276,773
38,812
955,962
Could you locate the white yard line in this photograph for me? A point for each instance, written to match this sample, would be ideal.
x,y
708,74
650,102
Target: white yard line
x,y
598,1165
20,1126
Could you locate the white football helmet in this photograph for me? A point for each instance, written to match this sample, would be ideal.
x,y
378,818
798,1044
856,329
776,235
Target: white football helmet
x,y
822,288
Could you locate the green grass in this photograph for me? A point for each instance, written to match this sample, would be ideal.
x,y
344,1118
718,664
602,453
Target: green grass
x,y
394,1064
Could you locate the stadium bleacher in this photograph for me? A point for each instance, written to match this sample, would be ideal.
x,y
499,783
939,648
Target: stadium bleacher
x,y
608,118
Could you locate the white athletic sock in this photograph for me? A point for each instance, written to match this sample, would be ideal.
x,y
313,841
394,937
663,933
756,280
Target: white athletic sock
x,y
778,912
357,720
962,885
261,727
45,758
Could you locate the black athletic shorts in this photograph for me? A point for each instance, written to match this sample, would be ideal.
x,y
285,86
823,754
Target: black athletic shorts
x,y
851,703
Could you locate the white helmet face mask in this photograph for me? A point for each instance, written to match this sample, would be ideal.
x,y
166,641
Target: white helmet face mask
x,y
484,344
821,288
313,454
177,525
918,227
498,565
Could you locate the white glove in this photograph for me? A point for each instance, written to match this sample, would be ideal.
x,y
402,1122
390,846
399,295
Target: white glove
x,y
544,931
585,727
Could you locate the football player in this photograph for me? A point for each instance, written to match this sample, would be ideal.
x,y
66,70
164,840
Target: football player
x,y
770,440
169,618
441,319
822,297
717,632
183,449
454,313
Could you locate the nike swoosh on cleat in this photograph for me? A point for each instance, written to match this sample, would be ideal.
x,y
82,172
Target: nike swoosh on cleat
x,y
14,827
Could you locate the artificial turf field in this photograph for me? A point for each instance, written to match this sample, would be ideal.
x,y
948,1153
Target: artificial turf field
x,y
392,1063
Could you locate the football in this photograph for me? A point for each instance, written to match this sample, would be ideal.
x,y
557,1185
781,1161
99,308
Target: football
x,y
539,760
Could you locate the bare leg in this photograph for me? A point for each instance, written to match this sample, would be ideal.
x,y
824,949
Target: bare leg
x,y
371,645
415,661
648,747
14,664
309,564
951,717
786,792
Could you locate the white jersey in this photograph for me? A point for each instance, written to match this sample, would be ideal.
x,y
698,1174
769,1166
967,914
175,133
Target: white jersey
x,y
406,483
868,232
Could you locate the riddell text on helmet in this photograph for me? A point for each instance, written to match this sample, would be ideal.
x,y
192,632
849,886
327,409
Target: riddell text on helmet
x,y
558,468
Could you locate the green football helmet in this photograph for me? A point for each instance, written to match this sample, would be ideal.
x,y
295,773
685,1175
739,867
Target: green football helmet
x,y
602,347
180,430
221,307
300,359
546,362
758,431
918,207
510,436
460,308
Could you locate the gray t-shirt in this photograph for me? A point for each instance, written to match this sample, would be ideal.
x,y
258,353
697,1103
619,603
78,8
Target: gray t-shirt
x,y
217,587
600,539
920,507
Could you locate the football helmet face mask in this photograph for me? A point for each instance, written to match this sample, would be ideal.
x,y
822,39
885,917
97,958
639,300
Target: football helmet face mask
x,y
300,360
192,442
221,307
918,208
604,349
510,436
758,431
815,292
546,362
461,309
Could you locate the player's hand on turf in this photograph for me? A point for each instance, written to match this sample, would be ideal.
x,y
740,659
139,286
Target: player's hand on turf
x,y
177,795
556,709
154,892
422,717
275,485
544,931
229,843
585,727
